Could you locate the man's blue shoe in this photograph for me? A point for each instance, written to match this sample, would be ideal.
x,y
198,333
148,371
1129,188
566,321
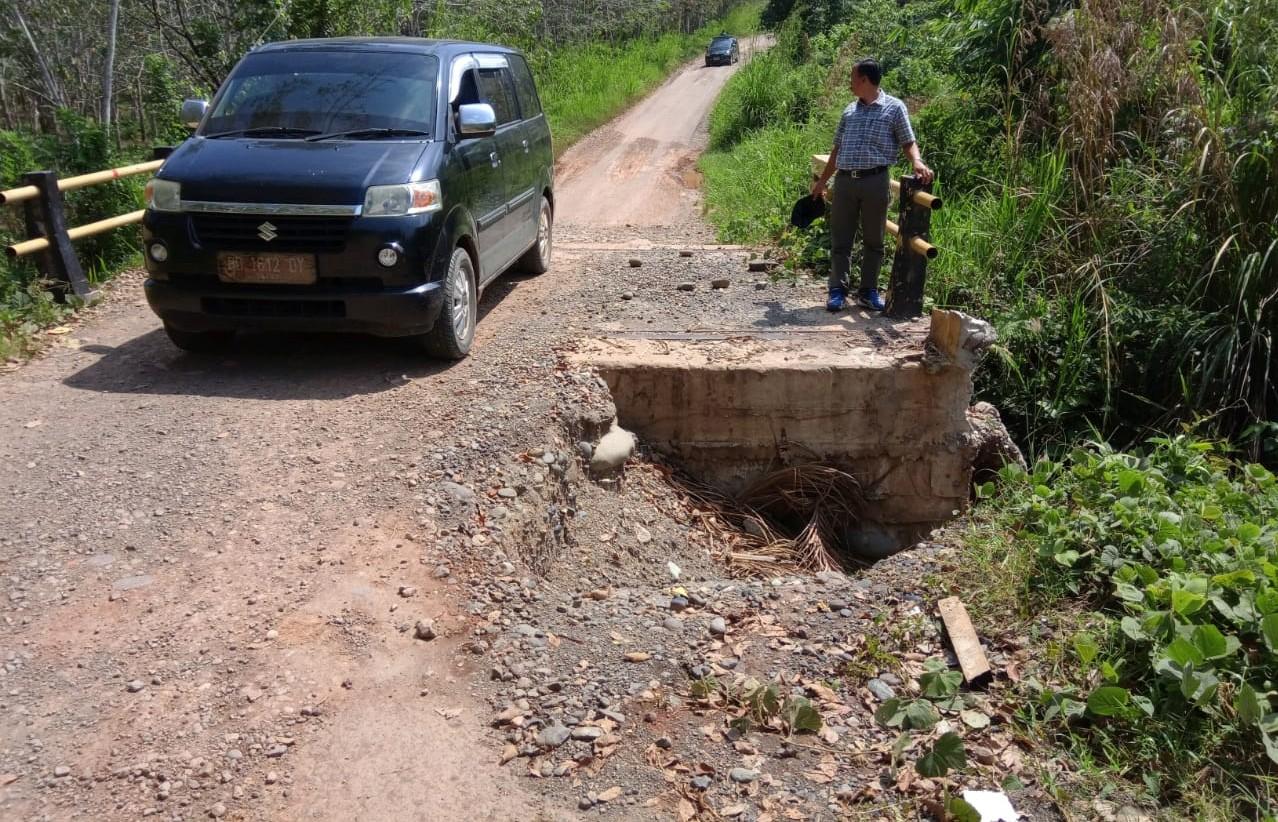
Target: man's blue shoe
x,y
869,298
837,299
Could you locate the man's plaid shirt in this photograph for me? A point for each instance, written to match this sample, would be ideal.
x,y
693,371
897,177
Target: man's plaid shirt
x,y
873,135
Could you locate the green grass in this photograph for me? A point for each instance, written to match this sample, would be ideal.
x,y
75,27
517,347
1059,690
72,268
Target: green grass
x,y
584,86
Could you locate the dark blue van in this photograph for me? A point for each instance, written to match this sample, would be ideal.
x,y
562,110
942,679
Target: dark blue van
x,y
372,185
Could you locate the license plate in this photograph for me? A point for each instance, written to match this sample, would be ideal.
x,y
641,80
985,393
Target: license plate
x,y
291,269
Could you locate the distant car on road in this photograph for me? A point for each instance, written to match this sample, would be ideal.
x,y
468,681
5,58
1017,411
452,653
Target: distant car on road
x,y
372,185
723,51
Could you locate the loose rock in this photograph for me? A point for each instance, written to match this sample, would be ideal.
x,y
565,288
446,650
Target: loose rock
x,y
881,690
425,629
553,736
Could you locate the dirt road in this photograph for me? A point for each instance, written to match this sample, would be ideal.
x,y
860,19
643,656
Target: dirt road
x,y
213,567
641,169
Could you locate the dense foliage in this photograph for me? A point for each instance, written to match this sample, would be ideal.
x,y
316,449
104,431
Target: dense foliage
x,y
591,59
1177,550
1111,179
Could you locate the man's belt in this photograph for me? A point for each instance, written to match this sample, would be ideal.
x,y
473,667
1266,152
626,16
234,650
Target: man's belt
x,y
857,173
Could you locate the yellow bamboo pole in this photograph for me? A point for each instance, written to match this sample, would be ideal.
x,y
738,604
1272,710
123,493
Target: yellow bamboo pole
x,y
17,195
918,244
41,243
921,197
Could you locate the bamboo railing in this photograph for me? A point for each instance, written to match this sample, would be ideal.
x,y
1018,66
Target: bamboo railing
x,y
51,238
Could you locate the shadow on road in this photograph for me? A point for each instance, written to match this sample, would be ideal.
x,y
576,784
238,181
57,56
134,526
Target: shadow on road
x,y
267,365
875,328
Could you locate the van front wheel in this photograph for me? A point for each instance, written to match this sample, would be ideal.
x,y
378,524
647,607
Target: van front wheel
x,y
537,259
454,331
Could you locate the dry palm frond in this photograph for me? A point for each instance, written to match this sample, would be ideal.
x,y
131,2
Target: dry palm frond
x,y
792,519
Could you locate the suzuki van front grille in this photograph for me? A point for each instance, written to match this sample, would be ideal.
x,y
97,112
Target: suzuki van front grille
x,y
255,232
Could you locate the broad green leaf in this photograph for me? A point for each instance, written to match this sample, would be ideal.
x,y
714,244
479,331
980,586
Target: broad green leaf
x,y
1133,629
1248,533
1129,593
1269,630
1186,603
890,714
1198,687
1265,601
1270,747
1130,481
800,716
1235,579
958,810
1247,704
946,755
1184,652
921,715
1066,558
1085,646
1108,672
1109,700
1211,642
940,684
1211,513
1144,703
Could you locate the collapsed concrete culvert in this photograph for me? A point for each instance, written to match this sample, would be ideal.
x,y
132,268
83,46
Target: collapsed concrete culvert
x,y
884,404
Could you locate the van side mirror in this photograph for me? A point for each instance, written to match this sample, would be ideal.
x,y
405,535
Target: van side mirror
x,y
476,120
193,112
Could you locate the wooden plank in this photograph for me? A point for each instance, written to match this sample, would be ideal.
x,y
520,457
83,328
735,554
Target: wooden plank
x,y
967,646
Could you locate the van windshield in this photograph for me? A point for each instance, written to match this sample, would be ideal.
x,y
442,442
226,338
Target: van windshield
x,y
293,94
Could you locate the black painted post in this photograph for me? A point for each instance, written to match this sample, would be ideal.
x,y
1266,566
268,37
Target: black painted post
x,y
909,268
46,218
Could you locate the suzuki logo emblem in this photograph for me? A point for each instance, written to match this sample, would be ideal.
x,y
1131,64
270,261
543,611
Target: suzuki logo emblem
x,y
267,232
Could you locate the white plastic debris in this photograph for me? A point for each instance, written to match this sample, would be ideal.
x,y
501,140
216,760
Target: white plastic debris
x,y
993,806
673,569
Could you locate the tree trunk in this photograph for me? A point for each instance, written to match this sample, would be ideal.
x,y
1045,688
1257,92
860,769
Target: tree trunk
x,y
52,88
108,68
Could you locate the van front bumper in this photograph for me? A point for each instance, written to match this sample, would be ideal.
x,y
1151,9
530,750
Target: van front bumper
x,y
387,312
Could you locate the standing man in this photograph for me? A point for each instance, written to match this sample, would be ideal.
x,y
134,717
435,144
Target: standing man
x,y
871,132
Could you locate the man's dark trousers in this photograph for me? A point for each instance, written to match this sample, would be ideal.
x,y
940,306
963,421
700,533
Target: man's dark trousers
x,y
859,202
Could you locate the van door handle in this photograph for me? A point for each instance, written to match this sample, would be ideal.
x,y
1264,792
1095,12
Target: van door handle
x,y
494,159
525,145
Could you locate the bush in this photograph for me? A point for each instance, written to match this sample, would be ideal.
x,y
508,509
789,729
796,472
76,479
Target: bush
x,y
1178,549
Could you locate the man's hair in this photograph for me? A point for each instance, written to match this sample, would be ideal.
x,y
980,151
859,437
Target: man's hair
x,y
870,69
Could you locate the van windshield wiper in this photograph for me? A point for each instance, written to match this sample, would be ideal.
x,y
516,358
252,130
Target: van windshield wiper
x,y
369,134
264,131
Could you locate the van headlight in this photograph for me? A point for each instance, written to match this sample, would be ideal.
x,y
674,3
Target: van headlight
x,y
395,201
163,195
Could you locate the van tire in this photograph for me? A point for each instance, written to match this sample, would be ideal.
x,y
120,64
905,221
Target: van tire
x,y
454,330
199,342
537,259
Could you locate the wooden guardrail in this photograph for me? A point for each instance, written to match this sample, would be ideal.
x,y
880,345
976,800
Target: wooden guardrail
x,y
50,238
912,230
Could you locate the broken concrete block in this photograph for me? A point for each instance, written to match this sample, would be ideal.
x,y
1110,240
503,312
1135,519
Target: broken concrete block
x,y
612,451
957,338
